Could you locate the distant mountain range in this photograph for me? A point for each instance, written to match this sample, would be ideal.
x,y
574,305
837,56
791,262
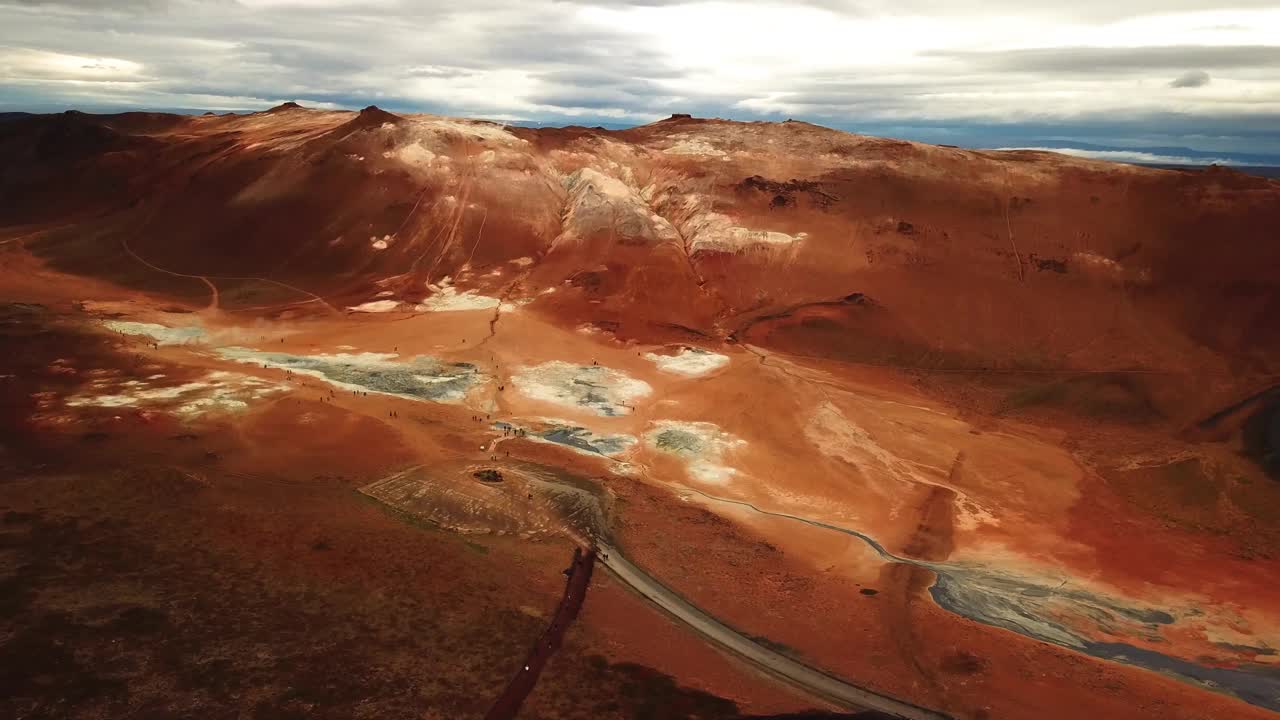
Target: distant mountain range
x,y
1259,170
1152,155
1166,157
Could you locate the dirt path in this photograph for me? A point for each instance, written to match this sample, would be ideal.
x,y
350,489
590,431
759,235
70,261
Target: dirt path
x,y
810,679
213,289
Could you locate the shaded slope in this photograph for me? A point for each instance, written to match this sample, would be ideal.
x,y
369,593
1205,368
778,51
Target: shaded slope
x,y
1010,260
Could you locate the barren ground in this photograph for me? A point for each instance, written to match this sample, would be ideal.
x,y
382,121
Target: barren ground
x,y
327,452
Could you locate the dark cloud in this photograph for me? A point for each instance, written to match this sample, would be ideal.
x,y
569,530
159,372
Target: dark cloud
x,y
604,77
1191,79
842,93
604,89
286,54
596,100
598,90
538,44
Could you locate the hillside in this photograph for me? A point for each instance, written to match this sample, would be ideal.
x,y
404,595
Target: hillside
x,y
986,432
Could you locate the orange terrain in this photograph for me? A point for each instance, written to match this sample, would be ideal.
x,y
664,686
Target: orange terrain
x,y
305,410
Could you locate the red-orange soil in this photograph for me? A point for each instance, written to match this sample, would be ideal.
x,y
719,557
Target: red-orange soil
x,y
926,418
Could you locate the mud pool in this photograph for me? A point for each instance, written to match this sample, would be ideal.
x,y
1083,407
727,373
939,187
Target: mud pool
x,y
701,445
593,388
161,334
576,437
689,361
419,378
1037,609
217,391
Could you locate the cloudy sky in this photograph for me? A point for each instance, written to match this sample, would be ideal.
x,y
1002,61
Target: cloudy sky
x,y
1191,79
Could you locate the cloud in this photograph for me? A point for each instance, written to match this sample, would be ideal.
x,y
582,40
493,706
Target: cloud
x,y
21,64
1100,60
98,5
1130,156
1191,79
922,66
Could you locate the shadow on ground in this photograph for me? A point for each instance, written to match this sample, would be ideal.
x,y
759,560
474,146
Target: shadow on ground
x,y
868,715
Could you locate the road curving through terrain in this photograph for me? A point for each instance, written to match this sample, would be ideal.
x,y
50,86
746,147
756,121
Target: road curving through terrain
x,y
807,678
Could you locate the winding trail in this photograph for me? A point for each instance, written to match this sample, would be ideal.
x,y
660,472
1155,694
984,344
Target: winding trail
x,y
870,541
810,679
213,289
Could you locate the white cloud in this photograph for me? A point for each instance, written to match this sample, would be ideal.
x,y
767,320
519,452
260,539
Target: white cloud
x,y
827,60
1130,156
29,64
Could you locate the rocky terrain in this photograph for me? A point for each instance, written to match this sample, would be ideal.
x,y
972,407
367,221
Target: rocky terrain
x,y
994,434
